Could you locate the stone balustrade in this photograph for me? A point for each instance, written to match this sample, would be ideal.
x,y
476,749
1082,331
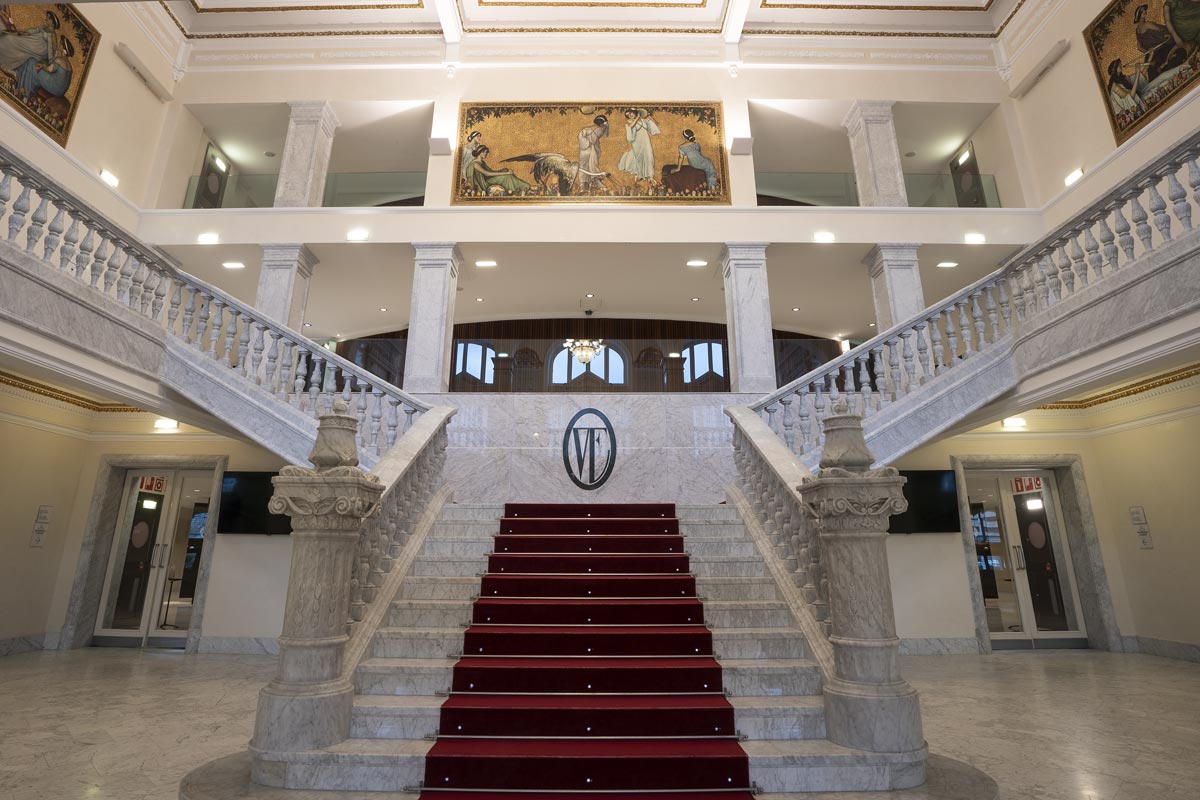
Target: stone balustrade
x,y
81,245
1143,214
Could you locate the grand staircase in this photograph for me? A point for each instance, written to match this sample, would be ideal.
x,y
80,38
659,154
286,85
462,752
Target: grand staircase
x,y
637,649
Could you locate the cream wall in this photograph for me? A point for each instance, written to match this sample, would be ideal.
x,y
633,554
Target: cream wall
x,y
929,586
994,154
247,587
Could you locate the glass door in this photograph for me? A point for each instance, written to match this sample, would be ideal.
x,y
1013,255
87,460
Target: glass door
x,y
1029,593
155,559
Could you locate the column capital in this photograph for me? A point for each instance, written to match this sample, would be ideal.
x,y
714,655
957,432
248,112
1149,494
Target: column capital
x,y
743,254
891,254
316,112
436,254
290,256
861,111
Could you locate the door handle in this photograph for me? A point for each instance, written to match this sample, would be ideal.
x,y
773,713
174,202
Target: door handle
x,y
154,556
1019,556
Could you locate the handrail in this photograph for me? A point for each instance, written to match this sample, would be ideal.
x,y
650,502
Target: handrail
x,y
1109,234
69,236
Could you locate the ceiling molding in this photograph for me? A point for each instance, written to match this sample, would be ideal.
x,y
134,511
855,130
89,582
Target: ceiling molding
x,y
64,396
415,5
818,6
1125,392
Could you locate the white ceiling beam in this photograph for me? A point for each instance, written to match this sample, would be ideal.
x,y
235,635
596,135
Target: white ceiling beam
x,y
735,20
452,28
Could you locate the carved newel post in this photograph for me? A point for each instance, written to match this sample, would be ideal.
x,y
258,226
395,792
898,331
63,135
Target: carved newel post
x,y
868,704
308,703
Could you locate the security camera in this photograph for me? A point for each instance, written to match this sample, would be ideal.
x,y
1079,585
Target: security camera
x,y
588,312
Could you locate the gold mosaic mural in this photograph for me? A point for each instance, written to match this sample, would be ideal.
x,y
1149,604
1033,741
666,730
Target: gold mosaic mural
x,y
591,153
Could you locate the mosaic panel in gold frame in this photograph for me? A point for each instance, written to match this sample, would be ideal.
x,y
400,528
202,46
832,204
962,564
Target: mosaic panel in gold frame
x,y
591,152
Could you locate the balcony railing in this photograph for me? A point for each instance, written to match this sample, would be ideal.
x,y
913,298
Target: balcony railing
x,y
342,190
838,189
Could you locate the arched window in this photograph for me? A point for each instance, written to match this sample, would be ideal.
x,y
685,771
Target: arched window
x,y
702,358
608,367
474,359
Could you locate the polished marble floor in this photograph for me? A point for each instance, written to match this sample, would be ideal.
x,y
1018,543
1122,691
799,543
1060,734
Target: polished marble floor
x,y
1072,725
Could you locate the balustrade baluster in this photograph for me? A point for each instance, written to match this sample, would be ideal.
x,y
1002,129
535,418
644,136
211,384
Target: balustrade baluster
x,y
897,378
951,337
1018,293
202,320
1178,197
243,347
272,362
789,436
361,412
1066,272
818,412
19,209
66,256
1093,253
314,383
256,353
1030,288
939,349
329,385
1108,244
977,319
848,387
37,223
300,376
161,287
393,420
376,420
879,373
1124,233
216,329
1193,165
910,371
1048,279
173,309
93,257
1005,306
1158,207
231,352
57,226
125,275
922,353
1078,264
140,294
771,409
805,419
832,387
99,263
1140,221
864,383
409,411
112,268
5,190
287,370
964,327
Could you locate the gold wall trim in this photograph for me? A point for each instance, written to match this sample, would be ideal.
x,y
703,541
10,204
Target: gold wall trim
x,y
417,4
1126,391
704,31
63,396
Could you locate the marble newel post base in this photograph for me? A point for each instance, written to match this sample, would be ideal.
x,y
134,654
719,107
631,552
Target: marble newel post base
x,y
868,705
308,704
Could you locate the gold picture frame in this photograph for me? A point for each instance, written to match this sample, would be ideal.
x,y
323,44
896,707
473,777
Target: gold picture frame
x,y
1146,56
639,152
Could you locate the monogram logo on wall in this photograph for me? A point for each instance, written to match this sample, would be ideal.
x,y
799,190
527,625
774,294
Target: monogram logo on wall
x,y
589,449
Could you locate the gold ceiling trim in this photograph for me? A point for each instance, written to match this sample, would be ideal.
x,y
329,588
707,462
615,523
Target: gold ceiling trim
x,y
705,31
63,396
417,4
1128,391
586,4
293,34
888,33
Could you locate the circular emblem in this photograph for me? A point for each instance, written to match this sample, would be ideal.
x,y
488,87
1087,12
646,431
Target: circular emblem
x,y
589,449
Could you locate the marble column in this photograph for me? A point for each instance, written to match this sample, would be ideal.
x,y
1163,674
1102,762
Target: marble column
x,y
748,317
283,283
431,317
895,283
868,705
878,171
305,161
308,704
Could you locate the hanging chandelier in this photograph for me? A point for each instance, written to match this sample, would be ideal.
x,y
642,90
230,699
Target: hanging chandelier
x,y
584,350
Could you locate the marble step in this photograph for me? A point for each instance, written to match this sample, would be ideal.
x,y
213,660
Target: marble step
x,y
435,613
788,717
469,511
415,717
476,546
742,677
819,765
364,765
743,643
395,717
430,587
470,528
701,566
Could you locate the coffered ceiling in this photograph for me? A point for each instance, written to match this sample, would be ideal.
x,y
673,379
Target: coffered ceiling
x,y
455,20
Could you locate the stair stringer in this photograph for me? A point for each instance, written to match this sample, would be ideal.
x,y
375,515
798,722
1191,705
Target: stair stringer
x,y
843,768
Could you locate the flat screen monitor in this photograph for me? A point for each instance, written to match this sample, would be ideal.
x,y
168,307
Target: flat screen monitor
x,y
932,503
244,498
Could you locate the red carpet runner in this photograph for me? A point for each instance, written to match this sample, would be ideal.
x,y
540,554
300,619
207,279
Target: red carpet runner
x,y
587,669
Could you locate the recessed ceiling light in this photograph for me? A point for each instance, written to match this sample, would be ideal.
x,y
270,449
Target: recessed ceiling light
x,y
1013,422
974,238
947,264
382,309
695,299
697,262
269,153
357,235
1073,177
208,238
870,324
910,154
824,237
233,265
109,178
673,355
589,295
485,264
478,299
164,424
308,324
796,309
501,355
